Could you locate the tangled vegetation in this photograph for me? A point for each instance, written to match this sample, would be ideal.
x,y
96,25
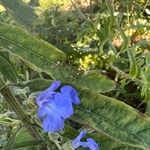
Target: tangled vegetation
x,y
99,47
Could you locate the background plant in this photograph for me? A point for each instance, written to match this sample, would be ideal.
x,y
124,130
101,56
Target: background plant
x,y
102,50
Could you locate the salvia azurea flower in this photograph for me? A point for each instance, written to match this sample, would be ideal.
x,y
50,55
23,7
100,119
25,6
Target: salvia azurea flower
x,y
90,143
55,107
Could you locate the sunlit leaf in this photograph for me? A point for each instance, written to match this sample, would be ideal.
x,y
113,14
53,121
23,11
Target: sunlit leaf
x,y
113,118
134,68
7,70
42,56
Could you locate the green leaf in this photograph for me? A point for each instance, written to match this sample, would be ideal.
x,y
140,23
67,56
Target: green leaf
x,y
27,144
109,116
36,84
94,79
7,70
42,56
148,110
7,121
9,145
23,13
5,55
104,142
134,68
36,52
145,92
147,67
21,139
113,118
25,140
97,82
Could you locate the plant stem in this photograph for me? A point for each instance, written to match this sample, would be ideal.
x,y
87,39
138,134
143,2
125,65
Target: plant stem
x,y
123,74
11,100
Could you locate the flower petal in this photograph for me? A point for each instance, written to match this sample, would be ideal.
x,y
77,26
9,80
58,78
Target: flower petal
x,y
44,111
92,144
53,123
71,92
76,142
61,105
47,94
55,85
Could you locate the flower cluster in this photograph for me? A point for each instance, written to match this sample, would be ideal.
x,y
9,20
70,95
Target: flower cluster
x,y
90,143
55,106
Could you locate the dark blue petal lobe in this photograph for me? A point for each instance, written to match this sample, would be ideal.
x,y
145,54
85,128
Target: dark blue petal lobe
x,y
72,93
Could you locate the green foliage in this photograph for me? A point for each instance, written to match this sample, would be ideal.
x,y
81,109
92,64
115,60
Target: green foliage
x,y
109,116
7,70
18,9
110,144
11,141
134,68
115,70
114,118
145,74
45,57
7,121
25,140
26,46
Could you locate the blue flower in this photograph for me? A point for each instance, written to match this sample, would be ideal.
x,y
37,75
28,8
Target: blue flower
x,y
46,95
90,143
55,107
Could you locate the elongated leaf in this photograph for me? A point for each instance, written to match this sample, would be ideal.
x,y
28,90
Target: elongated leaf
x,y
21,11
5,55
114,118
110,117
27,144
146,79
134,68
7,70
11,141
45,57
36,52
145,92
147,68
37,84
148,110
25,140
7,121
104,142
